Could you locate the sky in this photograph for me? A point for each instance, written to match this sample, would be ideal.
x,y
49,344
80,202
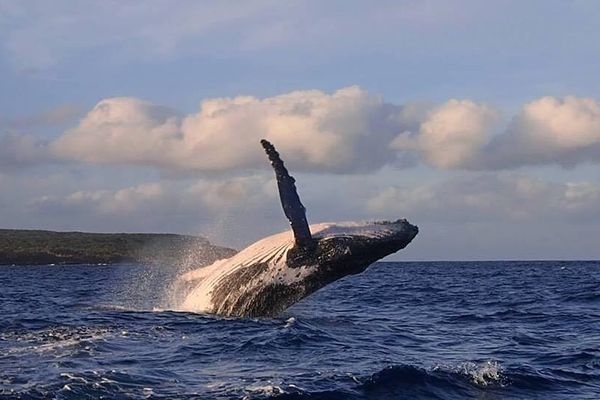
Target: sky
x,y
477,121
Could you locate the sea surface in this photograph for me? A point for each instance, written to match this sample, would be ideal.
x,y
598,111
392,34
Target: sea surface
x,y
438,330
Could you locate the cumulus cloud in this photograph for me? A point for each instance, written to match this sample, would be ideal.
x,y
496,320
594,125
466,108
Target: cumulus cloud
x,y
549,130
346,131
121,129
451,135
462,134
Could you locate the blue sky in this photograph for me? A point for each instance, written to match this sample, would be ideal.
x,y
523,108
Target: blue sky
x,y
478,121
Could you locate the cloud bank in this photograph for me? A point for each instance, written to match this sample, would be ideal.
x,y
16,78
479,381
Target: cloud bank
x,y
491,214
347,131
491,197
233,211
547,131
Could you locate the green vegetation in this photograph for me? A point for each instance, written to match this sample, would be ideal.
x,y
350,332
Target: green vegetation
x,y
48,247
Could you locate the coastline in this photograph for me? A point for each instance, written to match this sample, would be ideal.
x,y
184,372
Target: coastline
x,y
38,247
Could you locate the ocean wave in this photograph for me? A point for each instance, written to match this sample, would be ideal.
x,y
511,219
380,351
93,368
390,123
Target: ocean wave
x,y
459,381
463,380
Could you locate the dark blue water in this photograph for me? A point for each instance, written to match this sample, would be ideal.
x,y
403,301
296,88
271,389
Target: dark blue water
x,y
401,330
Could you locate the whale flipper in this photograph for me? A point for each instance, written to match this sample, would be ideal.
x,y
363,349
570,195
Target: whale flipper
x,y
292,207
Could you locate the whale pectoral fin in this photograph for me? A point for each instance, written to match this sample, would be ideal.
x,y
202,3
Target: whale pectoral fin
x,y
290,201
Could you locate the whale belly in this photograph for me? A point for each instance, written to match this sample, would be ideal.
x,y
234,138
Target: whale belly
x,y
256,278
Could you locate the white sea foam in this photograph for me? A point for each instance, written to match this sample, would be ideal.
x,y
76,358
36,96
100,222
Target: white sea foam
x,y
269,390
481,374
58,341
148,392
74,378
290,322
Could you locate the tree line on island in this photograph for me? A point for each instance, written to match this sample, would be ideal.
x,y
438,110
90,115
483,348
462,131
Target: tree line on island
x,y
36,247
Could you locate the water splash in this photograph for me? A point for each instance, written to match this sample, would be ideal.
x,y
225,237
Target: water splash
x,y
481,374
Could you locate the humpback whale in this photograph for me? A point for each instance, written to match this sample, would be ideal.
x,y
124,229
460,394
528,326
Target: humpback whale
x,y
270,275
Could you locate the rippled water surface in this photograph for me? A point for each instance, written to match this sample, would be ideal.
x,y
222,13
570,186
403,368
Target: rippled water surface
x,y
455,330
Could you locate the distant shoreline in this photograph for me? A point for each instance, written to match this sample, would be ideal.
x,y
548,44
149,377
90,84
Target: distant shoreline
x,y
42,247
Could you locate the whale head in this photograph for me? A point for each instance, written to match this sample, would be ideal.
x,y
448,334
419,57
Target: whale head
x,y
348,248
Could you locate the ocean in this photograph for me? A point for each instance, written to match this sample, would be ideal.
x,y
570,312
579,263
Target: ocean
x,y
414,330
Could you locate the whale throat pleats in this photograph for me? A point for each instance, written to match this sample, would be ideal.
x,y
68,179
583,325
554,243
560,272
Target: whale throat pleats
x,y
290,201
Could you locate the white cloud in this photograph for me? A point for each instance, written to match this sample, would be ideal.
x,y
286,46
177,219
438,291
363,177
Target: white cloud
x,y
122,129
451,135
346,131
549,130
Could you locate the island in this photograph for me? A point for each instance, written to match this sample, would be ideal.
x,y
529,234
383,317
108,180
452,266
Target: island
x,y
36,247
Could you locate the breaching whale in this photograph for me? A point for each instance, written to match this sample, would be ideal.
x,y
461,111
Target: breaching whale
x,y
267,277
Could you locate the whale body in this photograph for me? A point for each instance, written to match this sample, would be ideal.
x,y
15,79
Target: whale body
x,y
267,277
270,275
